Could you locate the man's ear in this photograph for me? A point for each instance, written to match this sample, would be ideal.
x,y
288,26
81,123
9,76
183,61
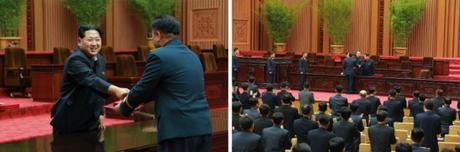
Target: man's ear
x,y
79,41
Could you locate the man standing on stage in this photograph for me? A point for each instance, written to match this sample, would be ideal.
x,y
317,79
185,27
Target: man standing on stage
x,y
303,68
235,64
350,64
271,67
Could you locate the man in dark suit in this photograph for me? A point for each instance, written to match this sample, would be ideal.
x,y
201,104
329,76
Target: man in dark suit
x,y
235,64
245,96
271,68
374,100
269,98
236,115
374,121
264,121
347,130
395,108
356,118
403,147
448,115
337,144
284,91
439,100
322,107
77,117
306,96
246,140
417,137
275,138
290,114
337,101
303,69
381,136
399,97
174,79
430,123
350,64
304,124
252,112
364,105
301,147
253,88
319,138
367,65
415,105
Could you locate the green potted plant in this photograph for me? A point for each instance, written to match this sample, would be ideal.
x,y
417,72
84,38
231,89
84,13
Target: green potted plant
x,y
404,14
279,19
336,16
11,12
87,11
148,9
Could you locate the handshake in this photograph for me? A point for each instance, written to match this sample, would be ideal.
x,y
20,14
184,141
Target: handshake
x,y
118,92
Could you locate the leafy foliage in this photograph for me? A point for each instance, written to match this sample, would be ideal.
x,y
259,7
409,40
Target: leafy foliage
x,y
148,9
87,11
279,18
11,12
404,15
336,14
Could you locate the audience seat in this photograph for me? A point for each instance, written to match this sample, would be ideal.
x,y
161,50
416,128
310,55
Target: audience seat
x,y
363,138
294,141
196,49
452,138
448,145
408,119
142,53
404,126
456,122
209,62
454,130
108,54
60,55
403,58
16,74
219,51
364,147
125,66
401,134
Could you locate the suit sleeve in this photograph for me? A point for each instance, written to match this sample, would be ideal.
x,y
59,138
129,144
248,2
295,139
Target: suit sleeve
x,y
84,75
287,141
392,137
142,91
260,145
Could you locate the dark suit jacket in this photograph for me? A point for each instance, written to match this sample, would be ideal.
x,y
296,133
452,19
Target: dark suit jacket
x,y
290,114
430,123
244,141
448,115
319,139
174,79
395,110
349,66
271,66
403,100
364,107
83,92
252,112
244,99
280,95
255,89
236,122
262,123
303,65
331,121
269,98
375,103
368,67
336,102
438,102
415,107
418,148
235,64
373,121
381,137
357,120
276,139
301,128
348,132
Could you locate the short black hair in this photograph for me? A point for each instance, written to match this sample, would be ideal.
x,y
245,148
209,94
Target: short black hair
x,y
324,120
236,107
277,117
403,147
392,93
246,122
417,135
286,98
381,115
245,86
264,109
269,87
439,92
448,100
345,112
306,109
372,90
253,101
397,89
166,24
428,104
284,84
301,147
336,144
306,85
339,88
416,93
422,97
86,27
322,106
234,49
354,106
252,79
382,108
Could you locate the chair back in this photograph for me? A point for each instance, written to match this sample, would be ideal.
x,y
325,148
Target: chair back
x,y
219,51
143,52
210,64
125,66
108,54
60,55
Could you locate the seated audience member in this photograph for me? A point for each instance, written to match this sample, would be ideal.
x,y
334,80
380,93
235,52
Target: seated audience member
x,y
346,130
395,107
448,115
337,144
319,138
322,112
301,147
244,96
269,98
399,97
264,121
236,111
430,123
403,147
356,118
304,124
417,137
416,104
381,136
290,114
374,100
253,88
284,90
364,105
306,96
246,140
337,101
276,138
374,121
252,112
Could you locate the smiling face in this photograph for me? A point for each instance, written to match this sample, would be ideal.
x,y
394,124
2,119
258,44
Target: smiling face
x,y
91,43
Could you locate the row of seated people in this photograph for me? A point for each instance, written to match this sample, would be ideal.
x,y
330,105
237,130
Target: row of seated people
x,y
364,112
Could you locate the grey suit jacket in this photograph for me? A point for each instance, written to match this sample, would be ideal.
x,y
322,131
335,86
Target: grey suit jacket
x,y
276,139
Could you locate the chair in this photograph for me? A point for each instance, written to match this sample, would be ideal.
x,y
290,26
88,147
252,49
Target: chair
x,y
108,54
406,65
328,61
403,58
452,138
312,58
142,53
219,51
382,64
427,68
404,126
209,62
294,141
376,58
364,147
448,145
16,75
363,138
456,122
454,130
408,119
401,134
60,55
125,66
196,49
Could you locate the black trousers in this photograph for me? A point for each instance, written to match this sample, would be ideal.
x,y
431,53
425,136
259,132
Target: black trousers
x,y
77,142
189,144
303,79
270,77
349,80
235,75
